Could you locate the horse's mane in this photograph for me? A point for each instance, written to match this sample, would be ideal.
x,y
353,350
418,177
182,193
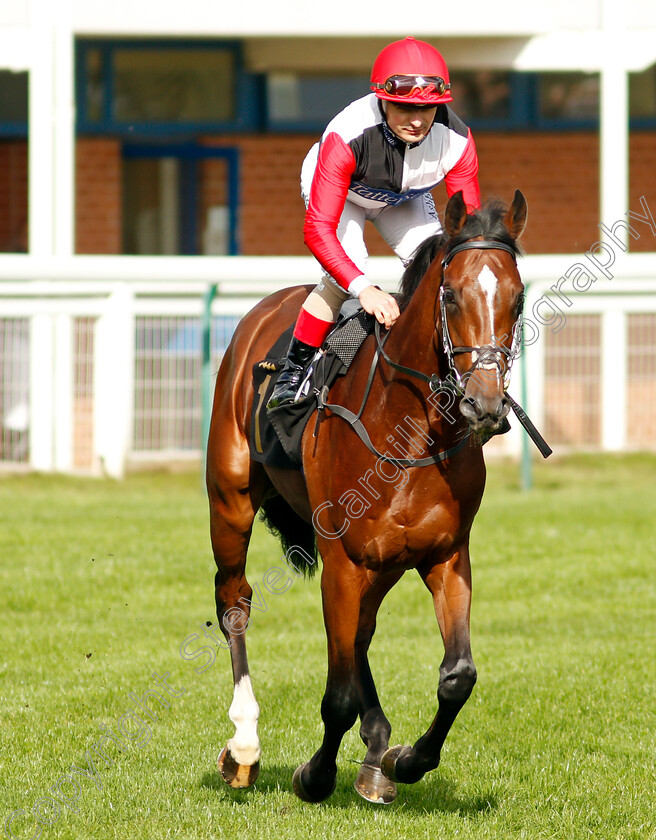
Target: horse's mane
x,y
487,222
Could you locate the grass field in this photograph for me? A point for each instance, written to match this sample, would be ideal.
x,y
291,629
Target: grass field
x,y
102,582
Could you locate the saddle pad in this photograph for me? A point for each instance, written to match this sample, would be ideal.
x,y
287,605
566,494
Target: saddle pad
x,y
276,435
265,444
347,337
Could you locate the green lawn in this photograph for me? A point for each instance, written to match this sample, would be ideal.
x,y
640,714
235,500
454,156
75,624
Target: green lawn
x,y
102,582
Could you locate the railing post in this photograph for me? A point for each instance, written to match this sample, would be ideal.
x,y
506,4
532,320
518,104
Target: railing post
x,y
114,381
63,393
526,464
41,392
532,399
614,363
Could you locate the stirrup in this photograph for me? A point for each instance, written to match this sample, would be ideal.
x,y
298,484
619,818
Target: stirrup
x,y
293,375
286,392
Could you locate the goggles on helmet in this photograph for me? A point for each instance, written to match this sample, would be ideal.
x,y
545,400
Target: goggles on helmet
x,y
408,85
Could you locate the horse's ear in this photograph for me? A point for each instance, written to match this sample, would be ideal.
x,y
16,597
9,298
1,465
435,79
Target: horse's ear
x,y
455,214
516,215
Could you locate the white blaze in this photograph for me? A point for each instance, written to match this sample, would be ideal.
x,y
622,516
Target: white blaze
x,y
244,712
487,280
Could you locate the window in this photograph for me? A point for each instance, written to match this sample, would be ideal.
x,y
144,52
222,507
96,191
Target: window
x,y
182,88
182,85
482,94
298,102
569,96
309,102
164,87
180,199
572,99
13,103
642,95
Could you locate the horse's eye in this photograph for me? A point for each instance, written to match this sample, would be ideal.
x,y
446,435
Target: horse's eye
x,y
519,305
449,295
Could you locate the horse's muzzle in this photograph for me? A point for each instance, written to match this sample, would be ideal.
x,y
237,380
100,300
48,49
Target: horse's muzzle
x,y
484,414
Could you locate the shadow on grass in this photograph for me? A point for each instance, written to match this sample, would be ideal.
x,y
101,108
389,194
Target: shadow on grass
x,y
431,795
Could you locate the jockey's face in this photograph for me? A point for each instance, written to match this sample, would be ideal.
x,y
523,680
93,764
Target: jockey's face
x,y
411,123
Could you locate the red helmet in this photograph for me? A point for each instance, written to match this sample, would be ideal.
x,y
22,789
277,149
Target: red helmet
x,y
411,71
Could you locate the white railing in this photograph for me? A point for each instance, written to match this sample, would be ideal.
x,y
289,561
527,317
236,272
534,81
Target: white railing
x,y
100,357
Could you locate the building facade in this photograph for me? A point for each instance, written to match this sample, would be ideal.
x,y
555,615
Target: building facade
x,y
150,150
158,129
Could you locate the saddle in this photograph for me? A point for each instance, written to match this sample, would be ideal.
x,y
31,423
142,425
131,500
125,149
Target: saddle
x,y
276,435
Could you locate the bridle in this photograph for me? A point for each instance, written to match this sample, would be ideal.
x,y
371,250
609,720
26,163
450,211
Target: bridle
x,y
485,355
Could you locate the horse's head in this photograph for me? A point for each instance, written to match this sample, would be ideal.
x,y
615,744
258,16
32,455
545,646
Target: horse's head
x,y
481,299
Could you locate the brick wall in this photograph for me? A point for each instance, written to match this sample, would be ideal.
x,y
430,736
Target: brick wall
x,y
642,168
98,196
13,196
271,212
558,174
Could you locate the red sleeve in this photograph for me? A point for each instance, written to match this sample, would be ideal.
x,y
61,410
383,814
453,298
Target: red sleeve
x,y
464,176
330,184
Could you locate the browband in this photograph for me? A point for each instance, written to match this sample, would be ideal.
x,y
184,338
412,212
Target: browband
x,y
481,244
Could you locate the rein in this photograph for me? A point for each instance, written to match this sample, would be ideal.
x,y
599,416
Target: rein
x,y
359,427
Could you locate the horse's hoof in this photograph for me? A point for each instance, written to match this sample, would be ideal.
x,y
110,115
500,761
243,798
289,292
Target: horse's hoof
x,y
389,759
301,792
373,786
237,775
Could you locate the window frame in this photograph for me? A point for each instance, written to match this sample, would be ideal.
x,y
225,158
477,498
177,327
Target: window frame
x,y
194,153
249,102
15,129
251,115
524,114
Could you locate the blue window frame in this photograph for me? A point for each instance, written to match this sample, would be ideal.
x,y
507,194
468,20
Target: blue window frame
x,y
292,103
13,104
305,103
189,155
488,100
493,100
155,87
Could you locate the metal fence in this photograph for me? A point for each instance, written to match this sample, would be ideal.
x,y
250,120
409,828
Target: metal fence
x,y
573,382
14,389
101,358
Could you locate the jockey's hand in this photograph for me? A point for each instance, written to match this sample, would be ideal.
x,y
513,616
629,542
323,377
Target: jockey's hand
x,y
378,303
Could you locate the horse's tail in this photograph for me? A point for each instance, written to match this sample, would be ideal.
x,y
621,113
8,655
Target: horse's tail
x,y
295,534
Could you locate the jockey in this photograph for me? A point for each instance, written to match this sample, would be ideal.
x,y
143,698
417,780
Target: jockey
x,y
378,159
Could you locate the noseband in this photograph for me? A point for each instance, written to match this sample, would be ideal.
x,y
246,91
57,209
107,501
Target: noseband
x,y
485,355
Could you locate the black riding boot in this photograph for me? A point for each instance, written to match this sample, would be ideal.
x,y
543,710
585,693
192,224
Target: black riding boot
x,y
298,358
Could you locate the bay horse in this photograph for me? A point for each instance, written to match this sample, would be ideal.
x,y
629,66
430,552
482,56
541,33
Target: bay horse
x,y
461,301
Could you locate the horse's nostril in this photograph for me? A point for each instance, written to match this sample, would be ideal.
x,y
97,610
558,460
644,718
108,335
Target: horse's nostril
x,y
470,408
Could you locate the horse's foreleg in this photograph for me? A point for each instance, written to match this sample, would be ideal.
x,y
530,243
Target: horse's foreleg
x,y
450,586
375,729
341,587
231,520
